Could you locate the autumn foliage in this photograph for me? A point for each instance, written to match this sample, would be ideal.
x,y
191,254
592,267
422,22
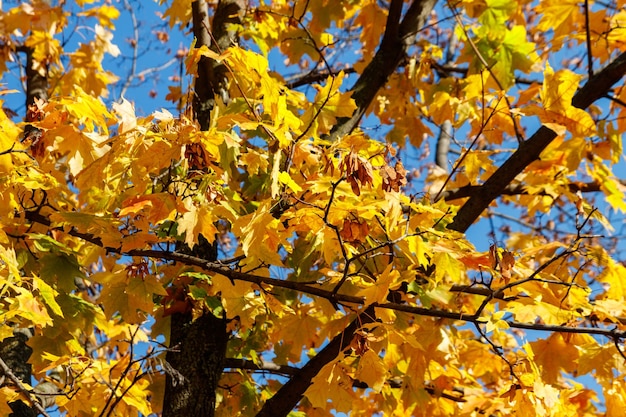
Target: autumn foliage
x,y
345,276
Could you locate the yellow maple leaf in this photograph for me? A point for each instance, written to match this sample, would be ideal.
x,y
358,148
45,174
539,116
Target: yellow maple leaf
x,y
374,18
496,323
48,294
261,236
615,396
602,359
136,394
528,310
613,274
372,370
9,394
87,110
156,207
329,103
5,330
126,112
30,308
298,331
286,179
558,15
447,265
555,355
476,161
179,12
105,14
557,111
332,384
239,300
609,184
377,292
46,48
8,140
198,219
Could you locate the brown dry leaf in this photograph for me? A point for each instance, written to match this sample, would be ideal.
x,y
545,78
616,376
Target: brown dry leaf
x,y
360,342
393,178
354,231
494,258
358,171
506,264
197,156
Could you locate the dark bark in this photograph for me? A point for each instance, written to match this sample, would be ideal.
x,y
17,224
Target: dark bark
x,y
212,81
15,353
36,88
14,350
195,360
198,348
291,393
518,189
529,151
399,35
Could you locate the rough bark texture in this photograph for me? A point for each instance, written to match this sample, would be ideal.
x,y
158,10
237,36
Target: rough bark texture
x,y
198,347
291,393
399,34
197,355
15,353
212,79
14,350
529,151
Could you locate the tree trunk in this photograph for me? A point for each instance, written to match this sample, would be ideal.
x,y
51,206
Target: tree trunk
x,y
198,347
14,351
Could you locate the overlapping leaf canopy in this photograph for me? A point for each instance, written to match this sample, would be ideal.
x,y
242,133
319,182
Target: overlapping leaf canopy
x,y
343,260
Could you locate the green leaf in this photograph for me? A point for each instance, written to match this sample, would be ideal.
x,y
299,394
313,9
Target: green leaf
x,y
60,270
48,294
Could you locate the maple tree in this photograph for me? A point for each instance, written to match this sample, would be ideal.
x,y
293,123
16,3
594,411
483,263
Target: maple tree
x,y
271,244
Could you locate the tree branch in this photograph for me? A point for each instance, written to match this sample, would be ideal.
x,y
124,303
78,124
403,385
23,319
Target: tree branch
x,y
312,77
18,383
288,396
397,38
262,366
211,81
13,350
518,189
135,46
529,151
291,370
443,145
234,275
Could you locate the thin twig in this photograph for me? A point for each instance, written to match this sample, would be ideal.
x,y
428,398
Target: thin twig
x,y
27,392
588,40
234,274
518,133
135,46
496,349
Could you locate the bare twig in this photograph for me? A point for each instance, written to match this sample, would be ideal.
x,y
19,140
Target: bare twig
x,y
261,366
595,88
588,40
313,77
135,46
518,133
27,392
519,189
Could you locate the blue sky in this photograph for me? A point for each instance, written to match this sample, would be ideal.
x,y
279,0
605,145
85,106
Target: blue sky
x,y
149,95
